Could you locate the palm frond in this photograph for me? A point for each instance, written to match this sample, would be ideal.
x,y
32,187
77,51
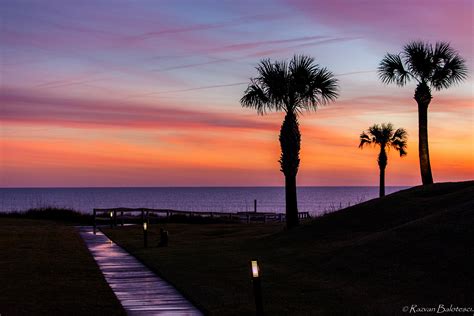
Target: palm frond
x,y
321,89
442,51
292,87
255,97
273,79
399,146
326,85
418,57
384,135
386,129
400,133
399,141
440,65
377,133
302,65
450,68
392,70
365,140
301,70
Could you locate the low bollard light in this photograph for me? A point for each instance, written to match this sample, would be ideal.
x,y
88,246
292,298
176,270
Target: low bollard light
x,y
111,219
257,287
145,234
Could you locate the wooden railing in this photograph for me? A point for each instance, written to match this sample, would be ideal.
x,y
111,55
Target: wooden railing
x,y
114,216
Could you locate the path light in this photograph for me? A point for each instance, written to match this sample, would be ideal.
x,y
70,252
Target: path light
x,y
111,219
95,222
257,288
255,269
145,234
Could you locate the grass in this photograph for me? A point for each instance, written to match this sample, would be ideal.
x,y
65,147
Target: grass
x,y
70,216
411,247
63,215
46,269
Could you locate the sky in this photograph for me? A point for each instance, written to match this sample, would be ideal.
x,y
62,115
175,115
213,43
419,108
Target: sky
x,y
146,93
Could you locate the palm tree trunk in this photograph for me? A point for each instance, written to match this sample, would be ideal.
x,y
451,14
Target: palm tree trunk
x,y
291,202
423,98
290,139
382,160
382,182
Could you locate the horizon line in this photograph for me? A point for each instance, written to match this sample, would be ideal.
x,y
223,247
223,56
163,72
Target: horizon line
x,y
203,187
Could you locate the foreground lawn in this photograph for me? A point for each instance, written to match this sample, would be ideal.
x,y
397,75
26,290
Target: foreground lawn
x,y
412,247
45,269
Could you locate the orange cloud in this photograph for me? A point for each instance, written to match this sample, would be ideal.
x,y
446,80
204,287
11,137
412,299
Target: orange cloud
x,y
100,143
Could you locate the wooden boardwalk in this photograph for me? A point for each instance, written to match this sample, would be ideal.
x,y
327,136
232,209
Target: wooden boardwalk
x,y
114,216
138,289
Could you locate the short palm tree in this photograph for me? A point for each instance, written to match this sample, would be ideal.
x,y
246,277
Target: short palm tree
x,y
437,67
291,87
385,137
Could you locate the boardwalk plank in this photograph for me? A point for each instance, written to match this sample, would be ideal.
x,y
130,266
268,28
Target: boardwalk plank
x,y
138,289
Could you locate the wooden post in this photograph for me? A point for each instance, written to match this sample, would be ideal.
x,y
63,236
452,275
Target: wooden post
x,y
255,205
143,216
121,217
248,218
115,218
95,223
257,288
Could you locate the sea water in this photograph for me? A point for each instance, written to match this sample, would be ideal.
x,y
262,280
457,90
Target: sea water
x,y
315,200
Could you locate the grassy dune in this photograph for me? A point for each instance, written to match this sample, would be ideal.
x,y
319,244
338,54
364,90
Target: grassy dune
x,y
411,247
45,269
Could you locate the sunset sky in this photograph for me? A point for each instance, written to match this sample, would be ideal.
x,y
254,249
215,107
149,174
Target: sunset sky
x,y
146,93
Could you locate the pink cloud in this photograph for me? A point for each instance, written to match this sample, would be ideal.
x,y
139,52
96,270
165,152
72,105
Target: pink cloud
x,y
174,29
190,89
290,49
397,21
19,106
256,44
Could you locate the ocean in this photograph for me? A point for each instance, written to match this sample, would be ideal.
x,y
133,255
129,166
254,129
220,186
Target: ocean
x,y
315,200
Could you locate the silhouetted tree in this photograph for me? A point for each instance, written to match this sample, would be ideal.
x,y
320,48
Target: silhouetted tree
x,y
436,67
385,137
291,87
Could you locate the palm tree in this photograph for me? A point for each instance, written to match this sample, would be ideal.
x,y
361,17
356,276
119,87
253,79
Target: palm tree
x,y
437,67
385,137
291,87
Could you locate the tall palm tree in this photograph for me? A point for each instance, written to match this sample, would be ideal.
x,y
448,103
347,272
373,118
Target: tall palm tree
x,y
291,87
385,137
437,67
